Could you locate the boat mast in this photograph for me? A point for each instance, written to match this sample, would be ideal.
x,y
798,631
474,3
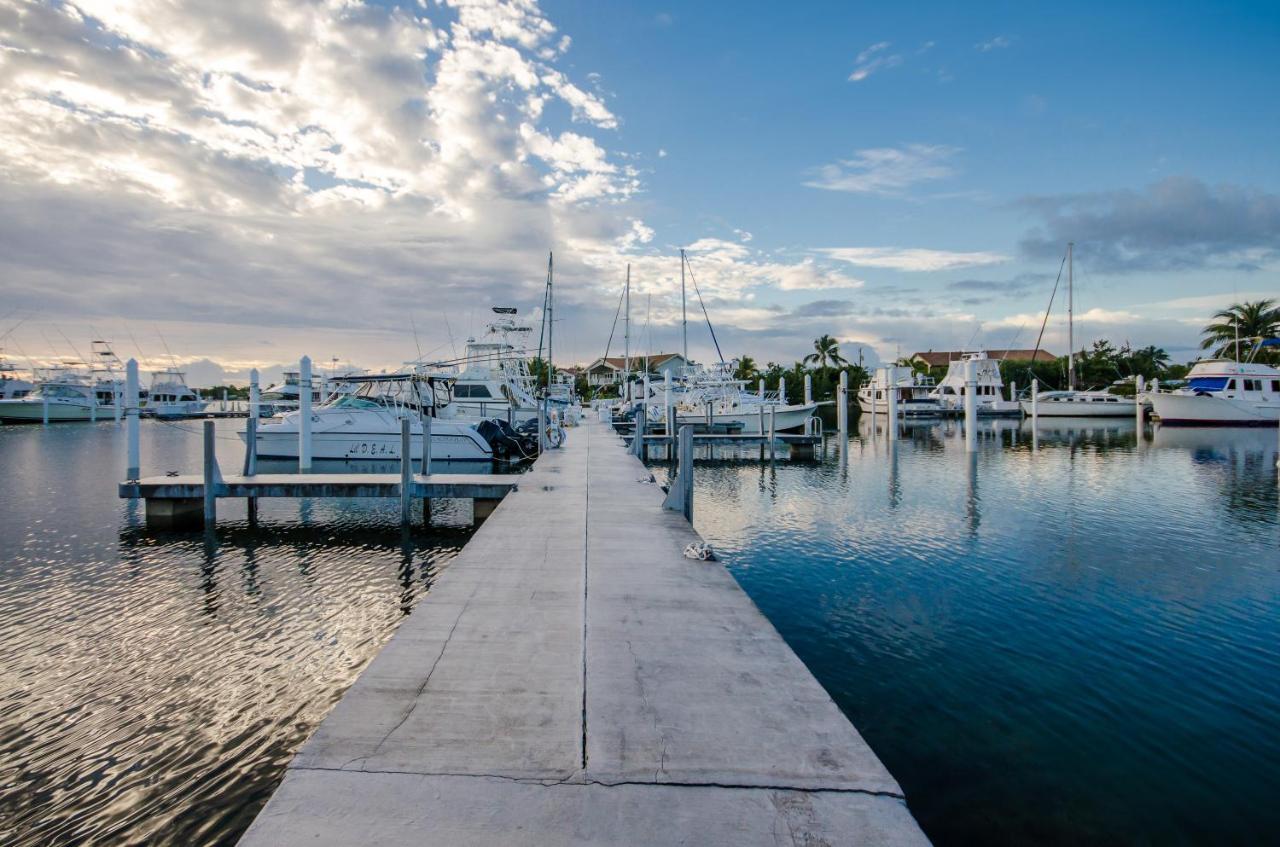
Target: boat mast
x,y
551,318
1071,326
684,313
626,344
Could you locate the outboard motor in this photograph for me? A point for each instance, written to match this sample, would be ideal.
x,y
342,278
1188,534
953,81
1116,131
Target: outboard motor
x,y
506,441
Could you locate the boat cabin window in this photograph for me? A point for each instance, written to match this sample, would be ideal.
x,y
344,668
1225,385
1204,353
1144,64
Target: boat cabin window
x,y
348,401
1275,385
472,391
1252,385
1231,384
53,391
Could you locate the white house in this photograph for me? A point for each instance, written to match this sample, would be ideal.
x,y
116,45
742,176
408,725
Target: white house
x,y
609,371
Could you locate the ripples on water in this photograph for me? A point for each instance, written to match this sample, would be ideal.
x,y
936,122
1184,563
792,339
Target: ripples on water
x,y
155,685
1075,645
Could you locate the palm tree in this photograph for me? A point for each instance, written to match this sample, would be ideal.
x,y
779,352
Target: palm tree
x,y
826,353
1246,321
746,369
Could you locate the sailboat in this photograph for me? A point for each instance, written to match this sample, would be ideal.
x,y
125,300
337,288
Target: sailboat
x,y
1073,403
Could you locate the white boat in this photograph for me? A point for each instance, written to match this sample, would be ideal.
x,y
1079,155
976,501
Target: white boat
x,y
493,378
282,397
364,423
950,392
913,392
1081,404
712,394
1220,392
171,397
72,391
12,386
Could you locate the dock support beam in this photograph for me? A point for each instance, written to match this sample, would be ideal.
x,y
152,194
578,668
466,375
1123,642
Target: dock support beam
x,y
304,415
970,405
680,496
131,422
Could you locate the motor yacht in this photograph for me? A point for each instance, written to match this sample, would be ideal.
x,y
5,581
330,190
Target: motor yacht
x,y
12,386
914,392
1081,404
62,393
713,393
950,392
171,397
1221,392
362,421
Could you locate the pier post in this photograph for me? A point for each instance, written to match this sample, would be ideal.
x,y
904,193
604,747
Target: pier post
x,y
255,396
644,389
782,390
891,382
680,496
637,440
808,389
1139,386
251,461
542,428
842,407
406,472
304,415
211,477
760,424
1013,391
427,426
117,398
93,403
970,405
1035,390
773,409
760,389
131,414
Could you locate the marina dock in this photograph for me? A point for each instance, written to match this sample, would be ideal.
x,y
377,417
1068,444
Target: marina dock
x,y
573,678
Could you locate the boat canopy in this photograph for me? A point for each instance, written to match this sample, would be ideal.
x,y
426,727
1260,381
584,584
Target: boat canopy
x,y
1207,383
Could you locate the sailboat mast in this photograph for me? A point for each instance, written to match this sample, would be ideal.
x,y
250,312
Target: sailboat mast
x,y
684,313
551,320
626,344
1071,318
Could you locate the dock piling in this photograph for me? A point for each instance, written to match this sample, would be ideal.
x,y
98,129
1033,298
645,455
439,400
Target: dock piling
x,y
1139,386
211,477
637,440
117,399
808,389
304,415
970,405
782,390
131,423
773,432
406,472
542,428
891,382
255,396
680,496
842,407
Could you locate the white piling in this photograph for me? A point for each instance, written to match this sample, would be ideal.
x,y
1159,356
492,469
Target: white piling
x,y
782,390
542,427
131,422
842,407
1139,387
304,415
427,424
760,424
773,431
808,389
1013,391
255,396
1035,390
760,390
970,405
406,473
117,399
891,374
224,399
680,495
45,395
93,404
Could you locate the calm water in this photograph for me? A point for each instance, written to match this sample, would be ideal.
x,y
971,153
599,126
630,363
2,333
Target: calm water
x,y
1079,644
153,687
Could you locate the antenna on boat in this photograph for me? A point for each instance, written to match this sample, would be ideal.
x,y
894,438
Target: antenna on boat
x,y
626,349
413,325
684,312
551,318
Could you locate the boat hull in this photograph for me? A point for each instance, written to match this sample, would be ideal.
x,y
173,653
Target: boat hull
x,y
1077,409
906,408
460,445
20,411
785,418
1206,410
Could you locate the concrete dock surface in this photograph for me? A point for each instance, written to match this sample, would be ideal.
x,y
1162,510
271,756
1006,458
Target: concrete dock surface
x,y
572,678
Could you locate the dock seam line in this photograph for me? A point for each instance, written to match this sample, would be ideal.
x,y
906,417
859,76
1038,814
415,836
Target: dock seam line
x,y
586,547
569,781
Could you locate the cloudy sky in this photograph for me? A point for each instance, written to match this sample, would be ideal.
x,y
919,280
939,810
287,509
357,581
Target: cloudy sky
x,y
250,180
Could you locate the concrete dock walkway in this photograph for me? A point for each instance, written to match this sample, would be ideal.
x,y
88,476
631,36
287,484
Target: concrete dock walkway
x,y
572,678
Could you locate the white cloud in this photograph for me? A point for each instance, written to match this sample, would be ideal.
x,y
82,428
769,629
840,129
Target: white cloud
x,y
998,43
885,170
873,59
911,259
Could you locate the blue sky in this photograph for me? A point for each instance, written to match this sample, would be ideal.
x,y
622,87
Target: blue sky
x,y
257,182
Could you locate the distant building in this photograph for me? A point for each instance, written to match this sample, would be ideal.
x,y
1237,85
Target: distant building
x,y
609,371
942,358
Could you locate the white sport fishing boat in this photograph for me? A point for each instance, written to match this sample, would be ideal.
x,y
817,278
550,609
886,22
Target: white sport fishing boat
x,y
728,401
72,391
363,422
913,393
950,392
171,397
493,379
1222,392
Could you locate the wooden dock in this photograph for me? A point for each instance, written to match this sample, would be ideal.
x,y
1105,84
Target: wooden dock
x,y
571,679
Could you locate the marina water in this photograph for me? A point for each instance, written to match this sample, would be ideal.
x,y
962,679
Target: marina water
x,y
1068,639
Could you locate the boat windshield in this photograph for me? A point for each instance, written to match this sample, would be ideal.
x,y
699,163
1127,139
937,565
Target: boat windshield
x,y
1207,383
349,401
